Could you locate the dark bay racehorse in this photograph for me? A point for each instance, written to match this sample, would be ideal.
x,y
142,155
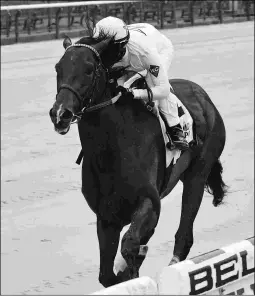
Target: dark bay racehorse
x,y
123,170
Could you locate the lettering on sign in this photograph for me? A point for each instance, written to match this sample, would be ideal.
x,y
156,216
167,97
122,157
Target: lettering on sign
x,y
203,276
221,271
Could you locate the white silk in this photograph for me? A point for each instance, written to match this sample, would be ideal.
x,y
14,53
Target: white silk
x,y
148,47
111,25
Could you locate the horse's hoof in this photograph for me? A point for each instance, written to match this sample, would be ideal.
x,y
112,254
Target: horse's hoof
x,y
124,276
108,280
174,260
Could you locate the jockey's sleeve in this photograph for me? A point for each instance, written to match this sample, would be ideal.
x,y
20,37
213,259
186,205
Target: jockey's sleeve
x,y
161,88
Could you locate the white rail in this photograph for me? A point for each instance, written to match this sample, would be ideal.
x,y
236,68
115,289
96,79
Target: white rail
x,y
64,4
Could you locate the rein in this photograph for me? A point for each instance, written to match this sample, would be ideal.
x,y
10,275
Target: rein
x,y
103,104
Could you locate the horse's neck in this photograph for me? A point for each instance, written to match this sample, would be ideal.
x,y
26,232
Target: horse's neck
x,y
109,93
108,120
125,116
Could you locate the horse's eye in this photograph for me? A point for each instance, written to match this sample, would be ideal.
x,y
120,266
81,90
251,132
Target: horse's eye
x,y
88,69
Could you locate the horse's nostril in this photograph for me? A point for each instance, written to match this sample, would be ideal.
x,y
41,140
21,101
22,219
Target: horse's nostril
x,y
67,114
51,112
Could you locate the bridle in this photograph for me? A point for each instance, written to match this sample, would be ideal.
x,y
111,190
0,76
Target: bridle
x,y
81,99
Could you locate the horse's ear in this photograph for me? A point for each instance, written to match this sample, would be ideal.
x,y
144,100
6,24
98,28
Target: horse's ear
x,y
101,46
67,42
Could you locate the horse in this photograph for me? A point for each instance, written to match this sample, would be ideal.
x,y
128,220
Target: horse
x,y
124,176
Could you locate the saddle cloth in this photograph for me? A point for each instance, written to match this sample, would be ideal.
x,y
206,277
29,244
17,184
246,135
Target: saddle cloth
x,y
186,122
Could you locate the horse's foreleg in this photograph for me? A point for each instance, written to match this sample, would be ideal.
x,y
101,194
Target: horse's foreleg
x,y
193,190
108,237
142,227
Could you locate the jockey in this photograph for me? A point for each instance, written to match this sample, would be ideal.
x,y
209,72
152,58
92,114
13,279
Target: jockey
x,y
144,47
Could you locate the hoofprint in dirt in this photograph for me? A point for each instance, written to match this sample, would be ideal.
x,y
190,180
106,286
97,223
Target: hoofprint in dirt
x,y
49,243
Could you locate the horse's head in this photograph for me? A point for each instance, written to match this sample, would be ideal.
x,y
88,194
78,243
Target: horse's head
x,y
81,79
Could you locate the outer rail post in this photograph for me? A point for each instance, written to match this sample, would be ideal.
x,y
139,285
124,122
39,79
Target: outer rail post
x,y
126,12
124,9
17,15
173,15
247,4
49,19
220,11
69,11
141,11
105,10
191,12
161,14
57,22
8,23
93,13
29,22
232,8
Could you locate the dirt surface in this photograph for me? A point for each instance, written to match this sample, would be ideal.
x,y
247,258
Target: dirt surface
x,y
49,243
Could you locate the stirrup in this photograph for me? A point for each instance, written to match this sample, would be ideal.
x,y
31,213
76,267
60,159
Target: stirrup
x,y
172,145
182,145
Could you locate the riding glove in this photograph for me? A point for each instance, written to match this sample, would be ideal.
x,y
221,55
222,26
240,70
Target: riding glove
x,y
127,92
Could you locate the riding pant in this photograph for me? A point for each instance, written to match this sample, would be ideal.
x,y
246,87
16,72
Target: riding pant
x,y
149,49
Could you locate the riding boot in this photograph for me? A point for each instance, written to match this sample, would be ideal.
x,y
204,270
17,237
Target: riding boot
x,y
169,110
177,136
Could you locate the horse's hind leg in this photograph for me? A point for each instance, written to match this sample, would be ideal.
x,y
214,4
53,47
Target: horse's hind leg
x,y
108,237
142,227
193,191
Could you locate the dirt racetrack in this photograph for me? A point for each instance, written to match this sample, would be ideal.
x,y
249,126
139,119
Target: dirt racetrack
x,y
48,233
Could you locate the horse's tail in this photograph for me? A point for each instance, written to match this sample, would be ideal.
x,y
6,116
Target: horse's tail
x,y
215,185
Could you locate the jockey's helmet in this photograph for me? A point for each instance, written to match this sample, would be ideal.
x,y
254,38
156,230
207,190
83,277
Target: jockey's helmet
x,y
114,26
